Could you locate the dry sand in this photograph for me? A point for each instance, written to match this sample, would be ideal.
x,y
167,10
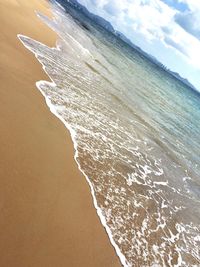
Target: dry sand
x,y
47,216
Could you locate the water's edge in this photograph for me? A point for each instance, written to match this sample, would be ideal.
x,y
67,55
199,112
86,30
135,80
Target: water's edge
x,y
73,135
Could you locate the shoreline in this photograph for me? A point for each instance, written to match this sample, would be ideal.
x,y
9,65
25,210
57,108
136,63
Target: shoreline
x,y
47,213
73,137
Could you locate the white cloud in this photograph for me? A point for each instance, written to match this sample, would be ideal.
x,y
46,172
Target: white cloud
x,y
190,22
155,22
192,4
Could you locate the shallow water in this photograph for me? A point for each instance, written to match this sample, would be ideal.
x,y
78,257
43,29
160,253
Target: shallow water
x,y
136,135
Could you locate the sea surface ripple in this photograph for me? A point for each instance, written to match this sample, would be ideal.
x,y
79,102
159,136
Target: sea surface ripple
x,y
136,135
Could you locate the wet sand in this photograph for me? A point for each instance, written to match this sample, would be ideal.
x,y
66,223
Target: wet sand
x,y
47,214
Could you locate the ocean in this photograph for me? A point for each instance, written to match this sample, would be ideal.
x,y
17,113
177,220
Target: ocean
x,y
135,130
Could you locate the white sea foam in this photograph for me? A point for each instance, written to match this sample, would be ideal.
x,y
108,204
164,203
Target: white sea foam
x,y
73,135
140,200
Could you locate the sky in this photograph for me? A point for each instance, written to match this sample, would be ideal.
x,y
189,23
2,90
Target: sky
x,y
166,29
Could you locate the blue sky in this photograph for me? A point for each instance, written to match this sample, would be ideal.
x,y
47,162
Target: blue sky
x,y
179,5
167,29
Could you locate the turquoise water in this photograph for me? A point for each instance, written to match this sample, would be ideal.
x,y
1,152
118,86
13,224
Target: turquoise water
x,y
136,136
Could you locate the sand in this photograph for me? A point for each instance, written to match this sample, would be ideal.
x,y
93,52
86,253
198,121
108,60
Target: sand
x,y
47,217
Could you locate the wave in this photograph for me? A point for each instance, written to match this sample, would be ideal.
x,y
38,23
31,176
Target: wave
x,y
139,189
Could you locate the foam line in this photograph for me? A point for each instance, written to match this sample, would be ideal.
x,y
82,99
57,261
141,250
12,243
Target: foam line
x,y
52,108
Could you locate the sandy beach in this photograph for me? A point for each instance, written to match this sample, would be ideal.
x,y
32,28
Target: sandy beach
x,y
47,214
